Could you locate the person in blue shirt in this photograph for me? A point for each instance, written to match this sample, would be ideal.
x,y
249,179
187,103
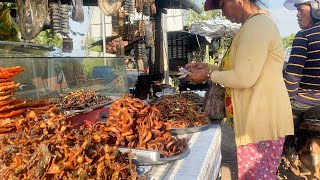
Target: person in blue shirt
x,y
302,72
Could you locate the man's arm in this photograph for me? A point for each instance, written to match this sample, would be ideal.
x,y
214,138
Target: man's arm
x,y
295,65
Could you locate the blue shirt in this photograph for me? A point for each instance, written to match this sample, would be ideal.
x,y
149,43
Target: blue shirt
x,y
302,73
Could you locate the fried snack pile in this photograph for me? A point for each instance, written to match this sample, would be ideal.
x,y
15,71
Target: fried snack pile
x,y
12,109
135,124
80,99
9,73
9,106
38,143
180,112
46,146
191,96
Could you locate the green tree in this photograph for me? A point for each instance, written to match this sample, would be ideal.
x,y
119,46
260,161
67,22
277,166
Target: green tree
x,y
9,29
288,40
191,16
46,37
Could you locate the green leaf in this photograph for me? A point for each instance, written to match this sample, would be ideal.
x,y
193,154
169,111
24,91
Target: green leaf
x,y
288,40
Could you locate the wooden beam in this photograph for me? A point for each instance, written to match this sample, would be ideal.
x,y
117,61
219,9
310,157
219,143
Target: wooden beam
x,y
164,48
156,68
85,2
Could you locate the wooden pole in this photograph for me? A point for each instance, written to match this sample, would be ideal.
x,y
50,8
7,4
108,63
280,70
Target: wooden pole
x,y
164,48
158,39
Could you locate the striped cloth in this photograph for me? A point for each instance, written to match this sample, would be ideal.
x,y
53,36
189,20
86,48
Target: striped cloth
x,y
302,73
203,161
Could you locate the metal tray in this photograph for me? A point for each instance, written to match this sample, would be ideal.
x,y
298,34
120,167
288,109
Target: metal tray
x,y
147,157
86,110
178,131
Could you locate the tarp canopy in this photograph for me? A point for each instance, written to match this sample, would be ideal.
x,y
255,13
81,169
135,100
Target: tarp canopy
x,y
213,29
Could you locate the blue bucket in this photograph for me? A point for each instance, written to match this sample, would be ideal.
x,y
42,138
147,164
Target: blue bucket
x,y
103,72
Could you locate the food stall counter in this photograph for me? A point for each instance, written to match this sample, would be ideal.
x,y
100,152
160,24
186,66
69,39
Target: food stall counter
x,y
203,161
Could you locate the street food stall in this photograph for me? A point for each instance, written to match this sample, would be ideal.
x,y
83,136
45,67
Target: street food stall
x,y
161,139
73,117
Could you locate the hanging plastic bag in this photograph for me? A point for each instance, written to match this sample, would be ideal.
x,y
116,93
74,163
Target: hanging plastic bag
x,y
149,38
214,103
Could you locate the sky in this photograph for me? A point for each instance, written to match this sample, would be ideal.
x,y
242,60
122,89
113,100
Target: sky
x,y
285,19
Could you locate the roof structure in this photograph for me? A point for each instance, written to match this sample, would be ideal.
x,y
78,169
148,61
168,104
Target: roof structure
x,y
213,29
169,4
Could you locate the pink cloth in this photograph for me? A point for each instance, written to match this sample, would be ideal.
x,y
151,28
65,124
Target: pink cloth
x,y
259,161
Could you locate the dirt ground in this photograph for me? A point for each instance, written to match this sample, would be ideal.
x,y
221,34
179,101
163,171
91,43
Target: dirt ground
x,y
228,150
229,158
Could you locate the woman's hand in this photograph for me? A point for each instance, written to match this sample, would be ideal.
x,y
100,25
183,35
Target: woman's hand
x,y
196,66
199,75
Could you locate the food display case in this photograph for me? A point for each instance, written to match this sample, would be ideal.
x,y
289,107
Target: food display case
x,y
48,77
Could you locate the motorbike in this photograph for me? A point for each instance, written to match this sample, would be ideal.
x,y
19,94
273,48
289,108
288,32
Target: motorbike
x,y
301,152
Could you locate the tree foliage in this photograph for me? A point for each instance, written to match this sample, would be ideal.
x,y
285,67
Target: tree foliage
x,y
9,29
191,16
46,37
288,40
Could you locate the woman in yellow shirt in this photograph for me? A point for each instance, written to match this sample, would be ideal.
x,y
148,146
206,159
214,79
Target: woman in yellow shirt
x,y
257,101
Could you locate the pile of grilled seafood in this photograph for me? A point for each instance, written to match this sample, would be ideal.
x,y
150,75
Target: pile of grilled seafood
x,y
46,146
179,112
80,99
191,96
135,124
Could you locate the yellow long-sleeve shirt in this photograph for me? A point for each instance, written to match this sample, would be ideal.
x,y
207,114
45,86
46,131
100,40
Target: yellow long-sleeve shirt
x,y
262,109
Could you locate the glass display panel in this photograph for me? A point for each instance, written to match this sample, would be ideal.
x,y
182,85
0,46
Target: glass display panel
x,y
47,77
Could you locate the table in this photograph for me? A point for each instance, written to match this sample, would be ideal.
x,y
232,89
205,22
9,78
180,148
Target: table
x,y
202,163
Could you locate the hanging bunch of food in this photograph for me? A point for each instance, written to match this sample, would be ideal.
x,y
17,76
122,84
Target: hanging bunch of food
x,y
129,7
153,7
32,15
59,18
139,6
140,52
122,24
118,23
139,28
125,29
146,7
